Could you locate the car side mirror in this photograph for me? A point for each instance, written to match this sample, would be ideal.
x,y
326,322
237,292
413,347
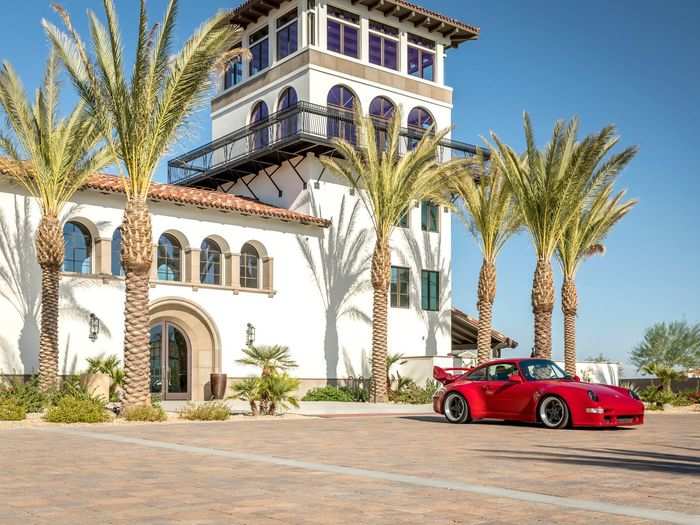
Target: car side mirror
x,y
515,378
577,379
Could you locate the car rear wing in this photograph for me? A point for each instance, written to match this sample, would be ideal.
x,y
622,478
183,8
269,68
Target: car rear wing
x,y
443,375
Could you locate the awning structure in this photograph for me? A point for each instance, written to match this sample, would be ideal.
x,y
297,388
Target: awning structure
x,y
464,332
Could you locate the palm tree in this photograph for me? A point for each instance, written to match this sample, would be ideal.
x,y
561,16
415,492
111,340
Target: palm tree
x,y
270,359
549,186
51,157
140,117
388,180
583,238
492,218
666,374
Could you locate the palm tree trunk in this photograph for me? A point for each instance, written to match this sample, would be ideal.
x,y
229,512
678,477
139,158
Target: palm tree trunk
x,y
49,252
569,307
486,295
137,255
542,306
381,277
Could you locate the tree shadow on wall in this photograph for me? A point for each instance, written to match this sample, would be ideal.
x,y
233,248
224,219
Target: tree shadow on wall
x,y
339,263
20,287
426,259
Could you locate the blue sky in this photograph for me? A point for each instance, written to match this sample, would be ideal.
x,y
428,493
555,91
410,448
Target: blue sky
x,y
631,63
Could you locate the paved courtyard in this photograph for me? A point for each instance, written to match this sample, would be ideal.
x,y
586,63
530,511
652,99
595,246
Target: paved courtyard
x,y
359,470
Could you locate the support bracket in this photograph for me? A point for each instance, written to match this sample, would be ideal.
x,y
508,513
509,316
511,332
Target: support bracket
x,y
247,185
294,167
269,176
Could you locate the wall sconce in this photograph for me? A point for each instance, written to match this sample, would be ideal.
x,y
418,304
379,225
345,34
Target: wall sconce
x,y
249,335
94,327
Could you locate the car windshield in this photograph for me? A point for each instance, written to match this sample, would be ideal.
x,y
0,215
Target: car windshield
x,y
541,370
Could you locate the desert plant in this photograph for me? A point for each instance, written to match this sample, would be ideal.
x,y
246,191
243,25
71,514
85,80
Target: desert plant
x,y
388,181
270,359
209,411
673,345
665,374
153,413
28,394
279,391
51,158
110,365
549,186
412,394
141,109
328,393
492,217
247,390
391,360
12,409
73,409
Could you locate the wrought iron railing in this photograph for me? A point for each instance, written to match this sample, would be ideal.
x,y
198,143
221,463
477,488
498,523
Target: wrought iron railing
x,y
303,122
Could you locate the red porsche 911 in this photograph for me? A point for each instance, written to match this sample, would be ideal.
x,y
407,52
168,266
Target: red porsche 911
x,y
532,390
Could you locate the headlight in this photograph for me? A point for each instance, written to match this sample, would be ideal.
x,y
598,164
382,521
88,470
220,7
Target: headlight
x,y
592,396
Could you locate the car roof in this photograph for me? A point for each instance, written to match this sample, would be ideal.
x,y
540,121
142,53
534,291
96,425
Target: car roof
x,y
512,360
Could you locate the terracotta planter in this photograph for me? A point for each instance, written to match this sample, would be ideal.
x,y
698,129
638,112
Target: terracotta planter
x,y
218,385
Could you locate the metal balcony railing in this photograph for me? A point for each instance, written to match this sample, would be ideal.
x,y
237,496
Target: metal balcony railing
x,y
283,135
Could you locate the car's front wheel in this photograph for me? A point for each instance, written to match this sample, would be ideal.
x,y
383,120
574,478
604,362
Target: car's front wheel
x,y
456,408
553,412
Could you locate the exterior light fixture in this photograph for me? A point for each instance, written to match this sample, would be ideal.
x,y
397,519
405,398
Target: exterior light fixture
x,y
249,334
94,323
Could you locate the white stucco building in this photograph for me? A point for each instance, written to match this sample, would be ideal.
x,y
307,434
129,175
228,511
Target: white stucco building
x,y
255,238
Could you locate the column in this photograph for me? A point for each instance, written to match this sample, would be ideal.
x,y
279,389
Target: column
x,y
267,274
364,39
154,264
192,266
236,270
439,64
103,256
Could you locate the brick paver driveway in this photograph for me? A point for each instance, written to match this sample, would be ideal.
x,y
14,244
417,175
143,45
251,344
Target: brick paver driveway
x,y
367,470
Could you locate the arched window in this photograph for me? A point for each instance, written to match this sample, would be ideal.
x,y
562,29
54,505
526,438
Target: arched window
x,y
260,114
117,268
210,262
419,121
169,258
288,100
78,248
381,109
250,266
340,121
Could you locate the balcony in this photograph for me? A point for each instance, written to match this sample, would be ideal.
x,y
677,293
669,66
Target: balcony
x,y
301,129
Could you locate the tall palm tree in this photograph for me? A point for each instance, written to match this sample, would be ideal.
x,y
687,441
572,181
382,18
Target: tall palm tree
x,y
388,180
583,238
492,217
549,186
51,157
140,116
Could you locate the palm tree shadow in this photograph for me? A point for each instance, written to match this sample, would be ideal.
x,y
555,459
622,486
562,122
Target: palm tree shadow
x,y
20,287
426,259
339,264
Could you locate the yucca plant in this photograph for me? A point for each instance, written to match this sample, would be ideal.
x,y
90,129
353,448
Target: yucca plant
x,y
550,185
492,217
50,157
141,110
581,239
389,181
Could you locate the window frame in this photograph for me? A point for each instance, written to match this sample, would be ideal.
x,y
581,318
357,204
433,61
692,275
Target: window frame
x,y
205,264
488,371
427,303
382,33
178,276
397,299
285,27
422,46
117,253
343,24
425,217
254,44
243,265
87,260
235,65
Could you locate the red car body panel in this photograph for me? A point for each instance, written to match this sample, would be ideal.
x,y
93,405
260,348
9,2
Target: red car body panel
x,y
518,399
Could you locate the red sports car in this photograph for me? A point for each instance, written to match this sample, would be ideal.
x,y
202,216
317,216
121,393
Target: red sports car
x,y
532,390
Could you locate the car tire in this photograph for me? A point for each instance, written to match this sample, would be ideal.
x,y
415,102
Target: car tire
x,y
456,408
553,412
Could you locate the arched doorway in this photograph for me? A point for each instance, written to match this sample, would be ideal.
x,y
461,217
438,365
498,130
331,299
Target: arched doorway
x,y
171,362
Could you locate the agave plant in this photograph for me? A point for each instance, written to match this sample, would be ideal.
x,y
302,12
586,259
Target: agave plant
x,y
141,110
388,181
51,158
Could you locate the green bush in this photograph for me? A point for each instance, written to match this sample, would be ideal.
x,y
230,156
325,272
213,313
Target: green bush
x,y
76,409
328,393
111,366
11,409
412,394
27,394
152,413
209,411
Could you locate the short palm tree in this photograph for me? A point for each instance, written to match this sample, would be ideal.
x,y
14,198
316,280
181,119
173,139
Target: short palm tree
x,y
492,217
666,374
549,186
388,181
582,238
140,117
51,158
270,359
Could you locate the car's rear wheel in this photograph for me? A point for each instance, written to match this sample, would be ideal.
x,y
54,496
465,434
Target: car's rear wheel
x,y
456,409
553,412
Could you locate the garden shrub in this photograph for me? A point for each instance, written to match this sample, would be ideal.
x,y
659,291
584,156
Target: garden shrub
x,y
410,393
328,393
209,411
152,413
27,394
11,409
77,409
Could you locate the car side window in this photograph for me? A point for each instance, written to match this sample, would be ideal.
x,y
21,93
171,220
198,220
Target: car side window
x,y
500,371
478,375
